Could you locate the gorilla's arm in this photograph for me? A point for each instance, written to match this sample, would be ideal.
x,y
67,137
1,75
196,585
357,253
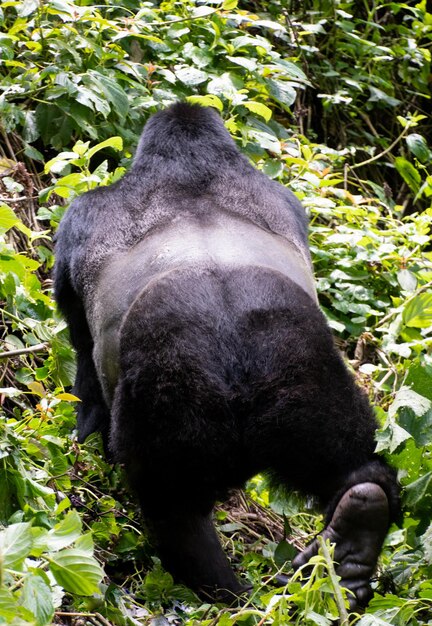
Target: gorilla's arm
x,y
93,414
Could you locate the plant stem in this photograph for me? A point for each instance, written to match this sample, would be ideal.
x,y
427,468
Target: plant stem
x,y
39,347
343,613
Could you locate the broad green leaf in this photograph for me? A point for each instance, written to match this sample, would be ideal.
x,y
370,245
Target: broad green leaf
x,y
15,545
70,180
316,618
284,553
418,312
89,98
265,140
58,163
283,92
85,543
372,620
259,109
113,92
427,544
406,397
416,491
408,173
407,280
67,397
272,168
202,11
390,437
225,85
418,147
7,605
113,142
36,597
248,64
208,101
76,571
190,75
65,532
8,219
377,95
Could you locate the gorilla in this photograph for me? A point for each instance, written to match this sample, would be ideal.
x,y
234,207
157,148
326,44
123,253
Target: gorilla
x,y
203,357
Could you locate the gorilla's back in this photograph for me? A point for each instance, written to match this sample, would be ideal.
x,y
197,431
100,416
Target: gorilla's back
x,y
169,256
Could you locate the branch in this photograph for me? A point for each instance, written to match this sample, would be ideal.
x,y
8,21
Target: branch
x,y
39,347
383,153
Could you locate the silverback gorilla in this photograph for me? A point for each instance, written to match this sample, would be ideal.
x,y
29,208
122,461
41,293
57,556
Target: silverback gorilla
x,y
203,357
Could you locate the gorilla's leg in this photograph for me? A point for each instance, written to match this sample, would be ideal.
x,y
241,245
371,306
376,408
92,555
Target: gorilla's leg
x,y
190,550
93,413
358,517
358,528
313,428
172,430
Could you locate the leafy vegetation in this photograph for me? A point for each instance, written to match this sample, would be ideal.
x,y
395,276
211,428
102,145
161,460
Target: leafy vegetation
x,y
331,99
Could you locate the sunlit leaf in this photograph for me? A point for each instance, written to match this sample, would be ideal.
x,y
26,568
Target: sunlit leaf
x,y
76,571
36,597
15,544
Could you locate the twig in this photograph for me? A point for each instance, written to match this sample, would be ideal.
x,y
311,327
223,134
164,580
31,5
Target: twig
x,y
39,347
343,613
383,153
20,199
92,616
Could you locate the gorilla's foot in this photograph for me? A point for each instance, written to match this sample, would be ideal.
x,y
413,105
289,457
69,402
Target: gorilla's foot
x,y
358,528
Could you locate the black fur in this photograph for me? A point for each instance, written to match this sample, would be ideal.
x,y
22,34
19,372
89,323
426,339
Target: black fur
x,y
202,353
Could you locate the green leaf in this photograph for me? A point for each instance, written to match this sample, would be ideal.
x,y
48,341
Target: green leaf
x,y
417,490
418,312
113,142
427,544
418,147
76,572
59,162
65,532
207,101
8,606
282,92
8,219
248,64
15,545
408,173
390,437
85,543
284,553
265,140
407,280
202,11
406,397
259,109
112,92
225,85
36,597
89,98
377,95
190,75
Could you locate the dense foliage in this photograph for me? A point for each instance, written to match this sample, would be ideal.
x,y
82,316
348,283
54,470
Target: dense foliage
x,y
331,99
